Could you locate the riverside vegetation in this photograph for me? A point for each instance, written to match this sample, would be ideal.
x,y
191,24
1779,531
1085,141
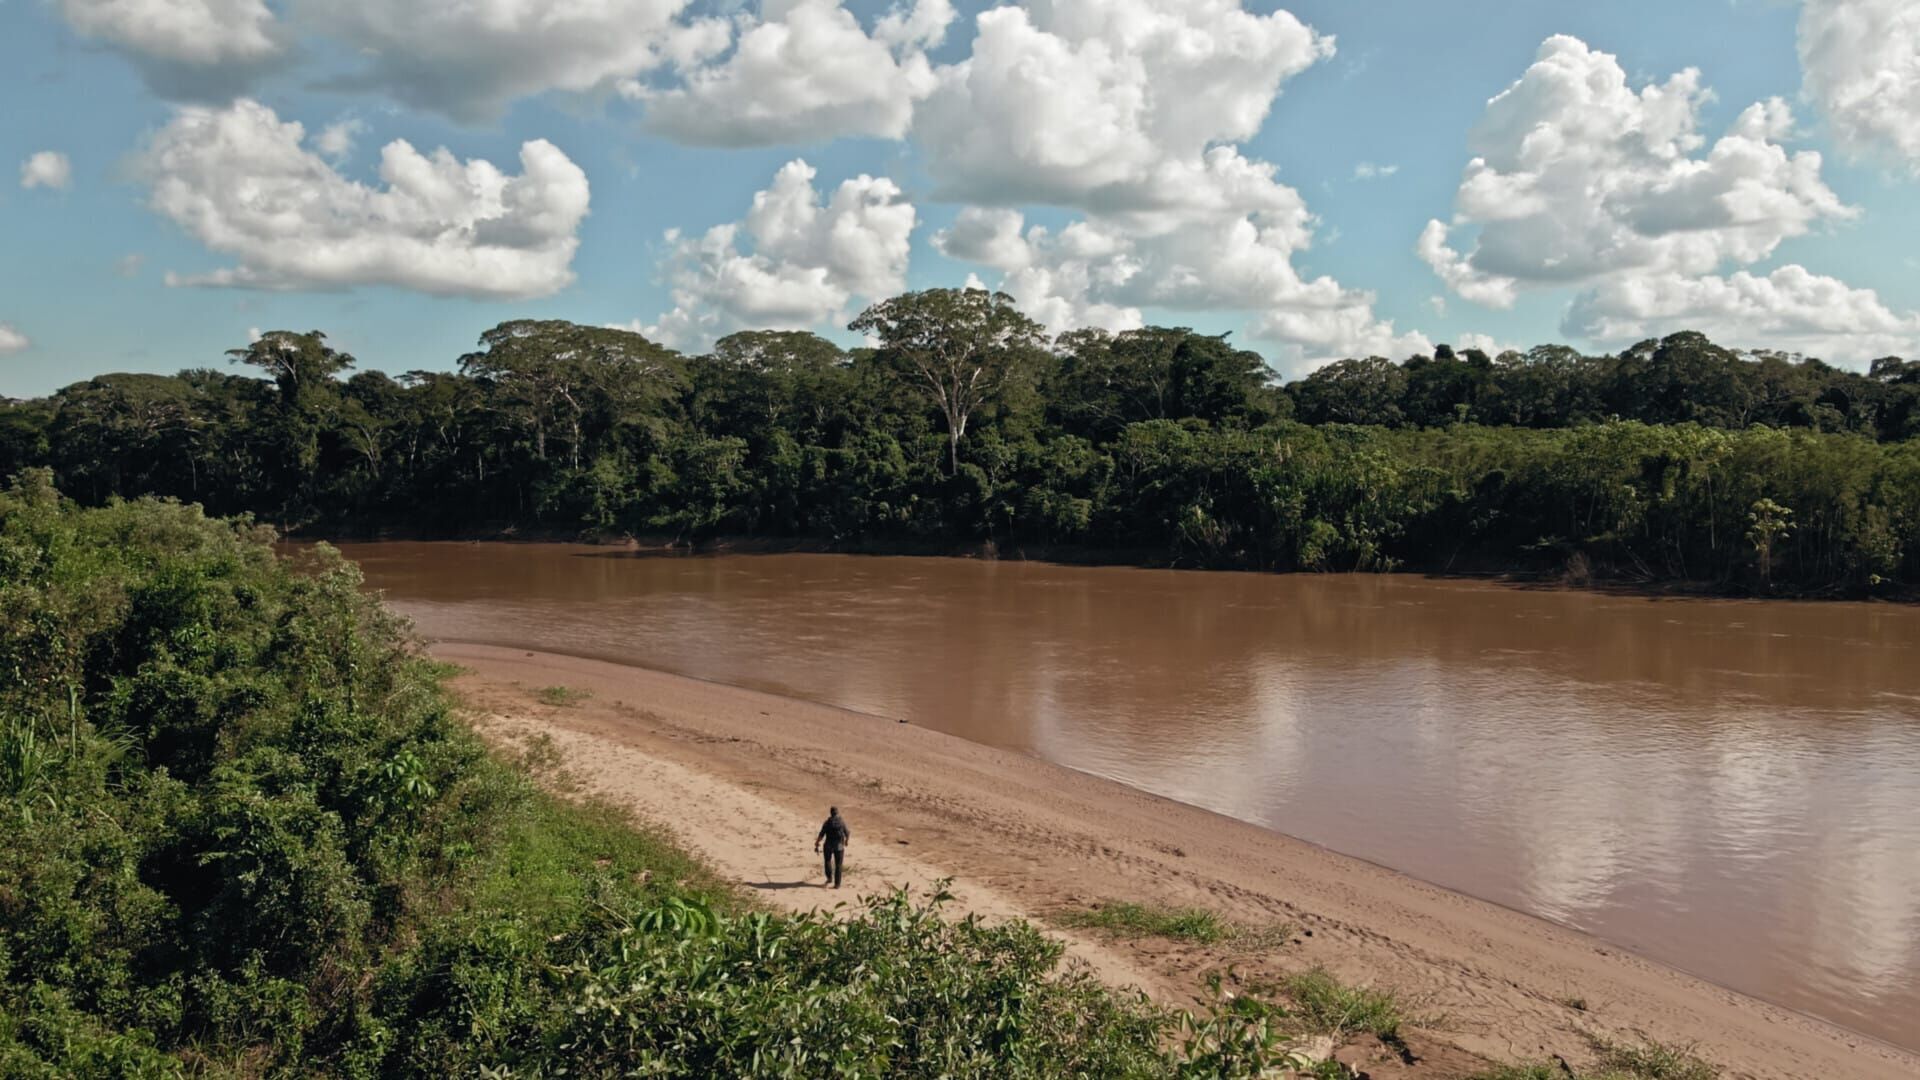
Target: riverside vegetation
x,y
966,424
242,833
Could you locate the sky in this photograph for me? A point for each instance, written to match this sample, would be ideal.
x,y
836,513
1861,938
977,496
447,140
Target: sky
x,y
1324,178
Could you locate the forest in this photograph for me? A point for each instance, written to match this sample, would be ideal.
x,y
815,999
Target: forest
x,y
965,425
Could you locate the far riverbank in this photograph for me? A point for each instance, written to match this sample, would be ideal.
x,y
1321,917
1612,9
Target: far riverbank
x,y
1545,573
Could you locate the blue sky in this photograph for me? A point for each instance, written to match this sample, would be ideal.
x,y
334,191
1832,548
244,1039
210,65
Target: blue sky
x,y
160,123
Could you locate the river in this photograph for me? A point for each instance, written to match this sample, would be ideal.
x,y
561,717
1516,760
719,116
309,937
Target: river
x,y
1731,787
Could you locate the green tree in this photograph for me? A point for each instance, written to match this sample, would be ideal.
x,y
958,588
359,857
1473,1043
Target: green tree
x,y
1368,391
299,364
765,379
959,348
1767,523
554,378
1106,381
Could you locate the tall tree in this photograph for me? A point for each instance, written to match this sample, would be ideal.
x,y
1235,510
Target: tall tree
x,y
551,374
304,367
776,379
958,347
1353,392
1107,381
297,363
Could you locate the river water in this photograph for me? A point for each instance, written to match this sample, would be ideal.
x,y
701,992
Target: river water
x,y
1732,787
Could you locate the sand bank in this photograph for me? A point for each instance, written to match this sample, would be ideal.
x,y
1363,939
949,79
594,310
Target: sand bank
x,y
743,778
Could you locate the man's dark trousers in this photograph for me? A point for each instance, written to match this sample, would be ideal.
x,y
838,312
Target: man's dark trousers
x,y
835,857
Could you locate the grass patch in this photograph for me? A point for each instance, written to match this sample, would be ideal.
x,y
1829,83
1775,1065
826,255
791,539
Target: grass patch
x,y
1654,1061
1147,920
557,856
1647,1061
561,696
1324,1004
1202,927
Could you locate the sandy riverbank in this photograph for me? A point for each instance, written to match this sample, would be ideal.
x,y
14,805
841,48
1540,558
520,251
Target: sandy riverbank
x,y
743,778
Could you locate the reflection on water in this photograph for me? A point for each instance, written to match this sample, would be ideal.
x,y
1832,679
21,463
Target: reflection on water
x,y
1731,787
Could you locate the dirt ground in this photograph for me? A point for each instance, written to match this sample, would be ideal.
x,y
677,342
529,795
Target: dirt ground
x,y
744,778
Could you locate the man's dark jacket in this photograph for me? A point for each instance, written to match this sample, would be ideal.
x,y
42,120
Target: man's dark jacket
x,y
834,833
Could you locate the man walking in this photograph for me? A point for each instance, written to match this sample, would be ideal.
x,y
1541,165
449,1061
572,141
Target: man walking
x,y
833,834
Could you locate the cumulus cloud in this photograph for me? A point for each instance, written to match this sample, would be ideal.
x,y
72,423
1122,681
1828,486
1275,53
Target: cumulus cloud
x,y
129,265
808,260
1577,177
1860,64
241,181
11,339
1790,308
1106,104
790,71
1067,280
1101,273
47,169
1129,111
1459,274
1580,181
335,141
1367,170
193,49
1486,343
469,59
804,71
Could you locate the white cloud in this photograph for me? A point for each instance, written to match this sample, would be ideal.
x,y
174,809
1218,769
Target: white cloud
x,y
1791,308
335,141
1057,279
1486,343
1860,63
129,265
1129,111
1459,274
47,169
808,261
469,59
11,339
1108,105
915,24
795,71
1099,273
239,180
805,71
1577,177
198,32
1580,181
1367,170
185,48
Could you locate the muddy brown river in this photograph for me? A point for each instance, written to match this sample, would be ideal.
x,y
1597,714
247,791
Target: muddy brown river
x,y
1730,787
